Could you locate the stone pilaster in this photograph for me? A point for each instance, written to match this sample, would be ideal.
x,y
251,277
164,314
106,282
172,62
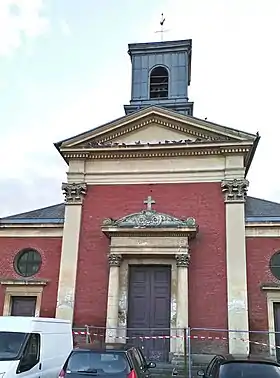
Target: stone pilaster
x,y
182,262
235,192
113,298
74,195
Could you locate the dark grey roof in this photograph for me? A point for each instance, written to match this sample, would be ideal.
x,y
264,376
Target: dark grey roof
x,y
50,214
256,209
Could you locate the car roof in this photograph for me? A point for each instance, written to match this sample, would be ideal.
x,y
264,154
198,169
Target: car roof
x,y
248,358
102,347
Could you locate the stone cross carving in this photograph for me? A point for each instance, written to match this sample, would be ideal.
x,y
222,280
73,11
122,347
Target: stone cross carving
x,y
74,193
149,202
183,260
114,260
235,190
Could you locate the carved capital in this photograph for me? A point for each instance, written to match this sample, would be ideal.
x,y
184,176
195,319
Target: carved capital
x,y
114,260
74,193
183,260
235,190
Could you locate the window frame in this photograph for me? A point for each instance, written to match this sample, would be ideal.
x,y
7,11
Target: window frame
x,y
20,254
271,267
26,352
151,76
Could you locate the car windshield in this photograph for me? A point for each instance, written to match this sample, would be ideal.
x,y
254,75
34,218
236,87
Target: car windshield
x,y
249,370
10,344
98,363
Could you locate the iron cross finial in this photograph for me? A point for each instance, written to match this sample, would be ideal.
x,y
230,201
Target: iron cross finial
x,y
162,30
149,202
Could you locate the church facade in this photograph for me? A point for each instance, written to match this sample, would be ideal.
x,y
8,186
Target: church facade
x,y
157,230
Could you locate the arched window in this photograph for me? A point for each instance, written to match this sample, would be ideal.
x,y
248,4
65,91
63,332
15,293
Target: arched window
x,y
159,83
28,262
274,265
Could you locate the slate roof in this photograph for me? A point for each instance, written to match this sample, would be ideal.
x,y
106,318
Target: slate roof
x,y
259,208
256,209
50,214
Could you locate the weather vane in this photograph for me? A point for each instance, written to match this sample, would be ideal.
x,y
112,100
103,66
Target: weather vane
x,y
162,30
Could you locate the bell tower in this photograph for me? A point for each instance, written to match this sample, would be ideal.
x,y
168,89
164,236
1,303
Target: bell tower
x,y
161,75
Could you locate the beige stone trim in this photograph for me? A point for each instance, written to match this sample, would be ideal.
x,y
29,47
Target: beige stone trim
x,y
31,231
113,298
74,192
174,170
236,278
272,296
149,152
260,230
16,289
69,262
148,245
235,190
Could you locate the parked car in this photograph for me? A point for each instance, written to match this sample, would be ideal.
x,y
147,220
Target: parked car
x,y
112,361
229,366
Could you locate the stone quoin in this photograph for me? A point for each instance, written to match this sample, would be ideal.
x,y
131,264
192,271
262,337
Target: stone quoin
x,y
157,232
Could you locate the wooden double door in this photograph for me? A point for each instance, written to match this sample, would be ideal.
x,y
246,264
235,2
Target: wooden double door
x,y
149,309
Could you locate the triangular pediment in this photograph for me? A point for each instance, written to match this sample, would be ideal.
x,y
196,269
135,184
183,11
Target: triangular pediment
x,y
154,125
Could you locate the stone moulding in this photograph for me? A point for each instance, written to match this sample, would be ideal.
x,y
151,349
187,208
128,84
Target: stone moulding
x,y
150,221
156,152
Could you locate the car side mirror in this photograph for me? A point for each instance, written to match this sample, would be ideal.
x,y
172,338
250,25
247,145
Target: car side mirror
x,y
201,373
151,365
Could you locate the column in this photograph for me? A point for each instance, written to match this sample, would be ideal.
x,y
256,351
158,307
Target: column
x,y
182,261
113,298
74,195
235,192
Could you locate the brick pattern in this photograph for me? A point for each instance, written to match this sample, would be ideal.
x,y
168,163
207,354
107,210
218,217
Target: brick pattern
x,y
259,252
207,270
50,249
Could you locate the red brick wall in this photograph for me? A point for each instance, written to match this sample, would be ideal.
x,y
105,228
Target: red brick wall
x,y
207,271
50,249
259,252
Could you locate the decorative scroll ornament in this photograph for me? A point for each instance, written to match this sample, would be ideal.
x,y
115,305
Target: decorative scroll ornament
x,y
235,190
183,260
150,219
114,260
74,193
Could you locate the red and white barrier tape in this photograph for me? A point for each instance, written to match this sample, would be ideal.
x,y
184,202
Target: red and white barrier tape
x,y
81,333
166,337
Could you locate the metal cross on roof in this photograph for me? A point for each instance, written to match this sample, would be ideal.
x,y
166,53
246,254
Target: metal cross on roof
x,y
149,202
162,30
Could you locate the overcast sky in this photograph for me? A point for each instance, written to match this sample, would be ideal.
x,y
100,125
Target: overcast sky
x,y
64,69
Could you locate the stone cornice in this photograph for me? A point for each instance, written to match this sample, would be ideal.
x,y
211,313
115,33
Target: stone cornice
x,y
164,232
270,286
156,151
30,282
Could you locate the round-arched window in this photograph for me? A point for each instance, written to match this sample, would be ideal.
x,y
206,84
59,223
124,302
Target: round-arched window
x,y
159,83
275,265
28,262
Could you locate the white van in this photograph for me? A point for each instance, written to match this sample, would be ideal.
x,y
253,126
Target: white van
x,y
33,347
